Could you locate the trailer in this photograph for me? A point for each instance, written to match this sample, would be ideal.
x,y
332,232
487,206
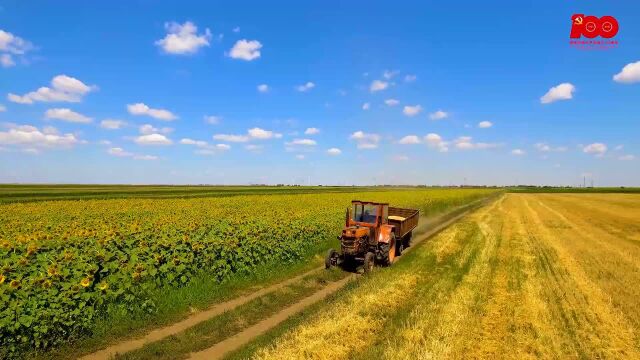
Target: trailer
x,y
373,233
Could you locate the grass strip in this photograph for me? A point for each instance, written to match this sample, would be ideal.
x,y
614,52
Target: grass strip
x,y
208,333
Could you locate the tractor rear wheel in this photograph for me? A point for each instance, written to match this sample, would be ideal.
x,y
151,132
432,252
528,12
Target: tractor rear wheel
x,y
388,251
369,260
331,258
407,239
399,248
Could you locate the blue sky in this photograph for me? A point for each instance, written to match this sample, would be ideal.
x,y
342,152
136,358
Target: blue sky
x,y
417,92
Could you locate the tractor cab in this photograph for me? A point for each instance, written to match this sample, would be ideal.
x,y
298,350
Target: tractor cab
x,y
366,213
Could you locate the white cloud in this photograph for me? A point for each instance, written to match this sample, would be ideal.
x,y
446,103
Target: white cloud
x,y
517,152
183,39
305,87
334,151
378,85
438,115
147,129
409,140
63,89
152,139
6,60
485,124
629,74
104,142
31,137
236,29
466,143
391,102
13,44
302,142
312,131
412,110
410,78
2,108
204,148
544,147
246,50
261,134
300,157
563,91
118,151
263,88
112,124
596,148
231,138
252,134
139,109
366,106
627,157
212,119
365,141
388,74
619,147
67,115
400,158
198,143
435,141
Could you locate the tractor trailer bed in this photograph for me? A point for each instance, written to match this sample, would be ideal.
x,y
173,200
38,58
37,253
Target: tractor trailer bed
x,y
403,220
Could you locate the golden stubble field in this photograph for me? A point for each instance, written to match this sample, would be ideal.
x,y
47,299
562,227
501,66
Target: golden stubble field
x,y
529,276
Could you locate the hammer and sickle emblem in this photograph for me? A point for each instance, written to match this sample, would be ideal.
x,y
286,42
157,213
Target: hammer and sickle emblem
x,y
578,20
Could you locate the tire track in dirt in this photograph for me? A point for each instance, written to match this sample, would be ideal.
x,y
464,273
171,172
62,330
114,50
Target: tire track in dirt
x,y
161,333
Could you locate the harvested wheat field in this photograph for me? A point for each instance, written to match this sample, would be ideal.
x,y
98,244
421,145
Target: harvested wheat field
x,y
528,276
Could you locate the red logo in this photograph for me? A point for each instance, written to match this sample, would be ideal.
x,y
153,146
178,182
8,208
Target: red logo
x,y
591,26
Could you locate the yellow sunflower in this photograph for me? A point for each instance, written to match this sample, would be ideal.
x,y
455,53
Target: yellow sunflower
x,y
2,279
14,284
103,286
85,282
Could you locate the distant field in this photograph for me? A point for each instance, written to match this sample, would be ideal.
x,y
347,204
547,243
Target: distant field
x,y
551,276
26,193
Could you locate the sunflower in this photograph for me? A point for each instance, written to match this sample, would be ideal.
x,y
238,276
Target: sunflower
x,y
53,271
2,279
85,282
14,284
103,286
46,284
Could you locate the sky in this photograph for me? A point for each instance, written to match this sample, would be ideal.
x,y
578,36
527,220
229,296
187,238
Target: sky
x,y
317,92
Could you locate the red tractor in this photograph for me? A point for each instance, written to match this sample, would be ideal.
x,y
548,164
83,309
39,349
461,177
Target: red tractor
x,y
373,233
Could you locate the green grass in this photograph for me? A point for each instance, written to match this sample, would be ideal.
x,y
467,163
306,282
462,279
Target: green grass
x,y
208,333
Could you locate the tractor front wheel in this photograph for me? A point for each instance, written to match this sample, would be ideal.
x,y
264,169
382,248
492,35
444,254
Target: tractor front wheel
x,y
369,260
331,259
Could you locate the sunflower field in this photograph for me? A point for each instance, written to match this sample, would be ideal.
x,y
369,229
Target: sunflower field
x,y
63,262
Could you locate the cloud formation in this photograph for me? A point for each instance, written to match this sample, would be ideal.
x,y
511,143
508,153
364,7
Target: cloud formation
x,y
365,141
183,39
563,91
67,115
140,109
247,50
63,89
629,74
